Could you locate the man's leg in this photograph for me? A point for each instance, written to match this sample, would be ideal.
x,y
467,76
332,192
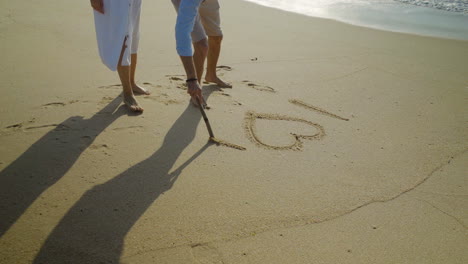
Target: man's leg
x,y
135,87
214,43
124,74
134,20
199,56
210,17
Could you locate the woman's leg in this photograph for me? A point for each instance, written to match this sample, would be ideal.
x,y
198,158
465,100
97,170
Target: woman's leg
x,y
135,87
124,74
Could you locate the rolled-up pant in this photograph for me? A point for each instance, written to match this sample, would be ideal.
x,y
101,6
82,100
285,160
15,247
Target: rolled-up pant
x,y
208,21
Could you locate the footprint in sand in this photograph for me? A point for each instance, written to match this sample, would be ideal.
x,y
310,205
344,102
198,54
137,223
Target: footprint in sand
x,y
252,133
53,104
112,86
166,94
221,70
15,126
316,109
163,98
106,100
98,146
154,88
224,67
177,78
221,92
119,87
150,87
59,104
131,128
258,87
11,129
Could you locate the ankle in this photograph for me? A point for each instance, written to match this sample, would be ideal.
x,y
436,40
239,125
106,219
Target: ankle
x,y
210,75
128,93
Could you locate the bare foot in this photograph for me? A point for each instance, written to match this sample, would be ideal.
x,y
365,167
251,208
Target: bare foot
x,y
139,90
132,103
218,81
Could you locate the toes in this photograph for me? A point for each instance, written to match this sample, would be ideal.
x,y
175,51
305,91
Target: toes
x,y
133,106
136,108
140,90
222,84
144,91
225,85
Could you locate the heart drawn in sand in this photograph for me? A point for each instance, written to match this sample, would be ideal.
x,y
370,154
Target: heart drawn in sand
x,y
249,125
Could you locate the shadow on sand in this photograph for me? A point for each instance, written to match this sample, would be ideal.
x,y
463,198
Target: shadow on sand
x,y
93,230
48,160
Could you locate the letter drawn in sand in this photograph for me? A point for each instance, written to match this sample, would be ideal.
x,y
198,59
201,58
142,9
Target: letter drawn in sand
x,y
316,109
221,142
252,134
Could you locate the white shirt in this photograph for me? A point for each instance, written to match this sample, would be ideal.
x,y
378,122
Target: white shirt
x,y
188,11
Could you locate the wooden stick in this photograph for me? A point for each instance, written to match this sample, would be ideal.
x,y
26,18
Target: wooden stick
x,y
212,137
207,122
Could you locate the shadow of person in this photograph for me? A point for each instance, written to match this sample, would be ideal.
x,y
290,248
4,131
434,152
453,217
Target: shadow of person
x,y
93,230
48,160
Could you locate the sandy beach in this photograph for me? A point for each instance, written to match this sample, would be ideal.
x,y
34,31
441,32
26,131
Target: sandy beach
x,y
356,144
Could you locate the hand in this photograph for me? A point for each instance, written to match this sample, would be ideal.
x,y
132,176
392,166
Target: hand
x,y
98,5
194,89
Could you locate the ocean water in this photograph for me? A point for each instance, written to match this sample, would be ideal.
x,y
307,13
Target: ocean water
x,y
438,18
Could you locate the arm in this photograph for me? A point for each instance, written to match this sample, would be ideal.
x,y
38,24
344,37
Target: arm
x,y
186,15
188,11
193,87
98,5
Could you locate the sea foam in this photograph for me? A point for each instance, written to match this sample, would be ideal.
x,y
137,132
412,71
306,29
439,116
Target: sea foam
x,y
438,18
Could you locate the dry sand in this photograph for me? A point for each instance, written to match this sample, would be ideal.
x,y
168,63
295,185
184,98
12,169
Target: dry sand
x,y
83,181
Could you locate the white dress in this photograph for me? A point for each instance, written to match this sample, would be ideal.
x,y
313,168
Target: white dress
x,y
120,22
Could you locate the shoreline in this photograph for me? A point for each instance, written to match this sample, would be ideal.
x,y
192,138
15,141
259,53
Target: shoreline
x,y
389,16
